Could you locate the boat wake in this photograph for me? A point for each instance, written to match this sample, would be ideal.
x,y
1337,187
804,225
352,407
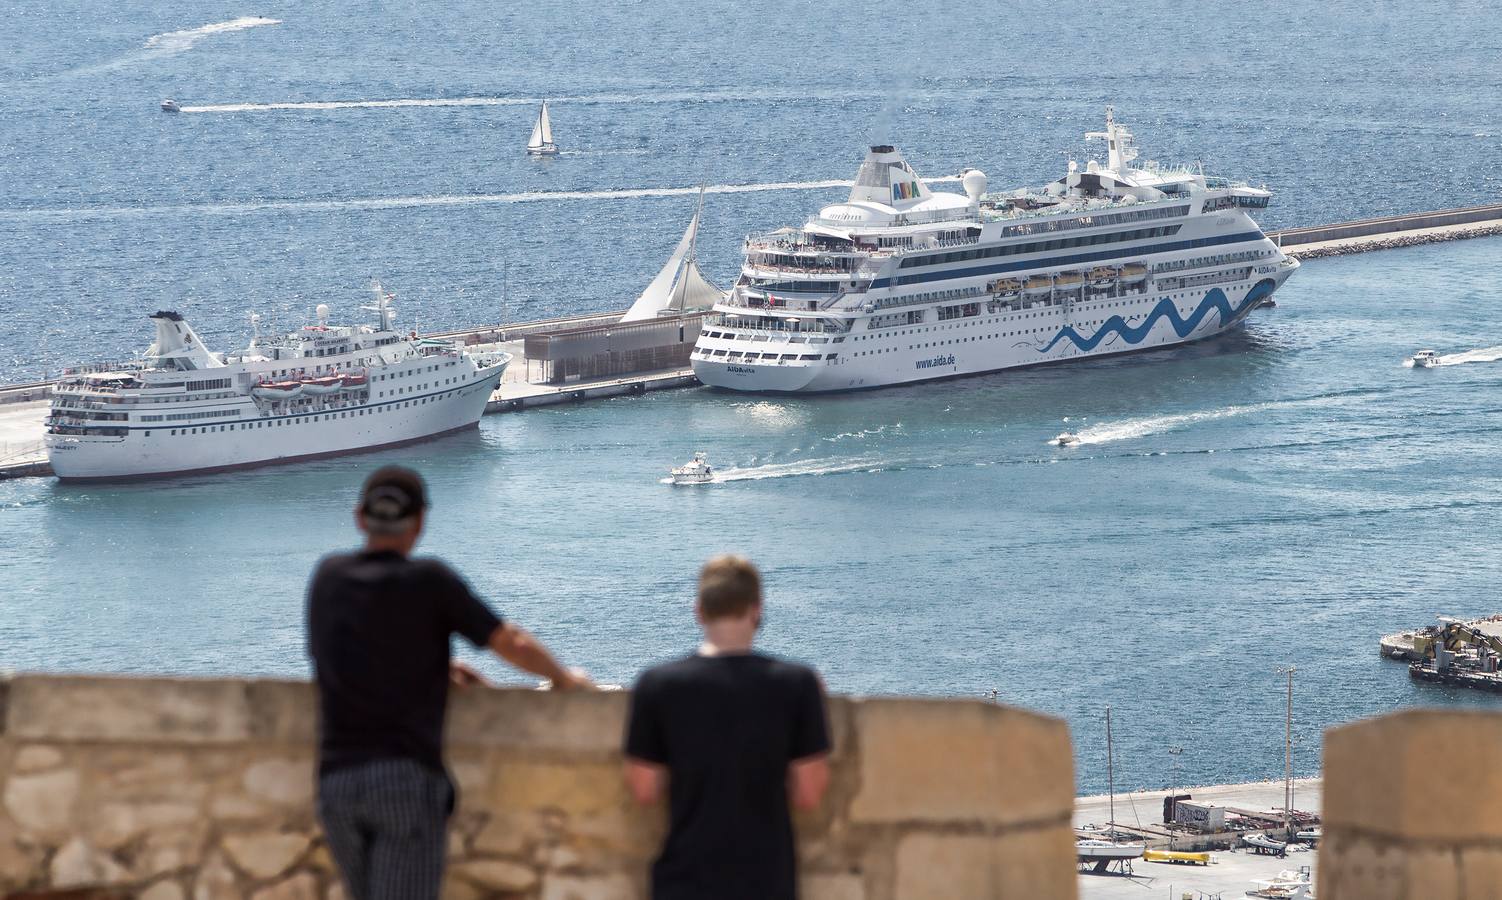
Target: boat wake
x,y
70,214
178,41
1482,355
1130,429
410,102
793,470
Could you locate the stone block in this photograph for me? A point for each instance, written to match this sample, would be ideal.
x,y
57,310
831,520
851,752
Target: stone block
x,y
571,788
36,758
154,711
958,761
497,875
1480,876
116,823
216,881
944,867
558,886
1035,863
302,886
538,721
285,781
264,855
826,886
79,864
43,803
284,712
1426,774
168,850
164,890
1356,869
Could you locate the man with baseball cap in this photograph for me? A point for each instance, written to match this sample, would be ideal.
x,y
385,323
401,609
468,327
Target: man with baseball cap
x,y
379,624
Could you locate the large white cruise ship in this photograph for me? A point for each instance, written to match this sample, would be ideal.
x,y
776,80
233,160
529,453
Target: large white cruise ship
x,y
901,284
322,391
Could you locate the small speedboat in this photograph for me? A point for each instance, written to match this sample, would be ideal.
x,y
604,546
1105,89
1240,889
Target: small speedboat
x,y
1067,439
1424,359
697,472
170,105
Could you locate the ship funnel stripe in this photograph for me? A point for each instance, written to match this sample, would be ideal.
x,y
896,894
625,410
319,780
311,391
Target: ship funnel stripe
x,y
1214,301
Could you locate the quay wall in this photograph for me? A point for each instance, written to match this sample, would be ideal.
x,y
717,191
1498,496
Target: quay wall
x,y
164,789
1388,224
1413,808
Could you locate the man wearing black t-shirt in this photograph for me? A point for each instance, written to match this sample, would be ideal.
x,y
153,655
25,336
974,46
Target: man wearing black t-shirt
x,y
732,736
379,624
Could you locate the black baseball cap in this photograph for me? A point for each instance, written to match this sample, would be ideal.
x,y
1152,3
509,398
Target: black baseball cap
x,y
391,498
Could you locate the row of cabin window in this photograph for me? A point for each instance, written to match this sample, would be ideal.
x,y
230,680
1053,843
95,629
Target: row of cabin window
x,y
1084,240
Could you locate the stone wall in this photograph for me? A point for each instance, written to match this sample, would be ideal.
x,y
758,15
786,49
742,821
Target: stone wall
x,y
166,789
1413,808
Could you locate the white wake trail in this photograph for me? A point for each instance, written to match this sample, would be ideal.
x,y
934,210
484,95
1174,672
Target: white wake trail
x,y
1135,428
379,203
410,102
1484,354
178,41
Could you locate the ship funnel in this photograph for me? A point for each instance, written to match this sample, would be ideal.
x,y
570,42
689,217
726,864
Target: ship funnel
x,y
885,177
177,346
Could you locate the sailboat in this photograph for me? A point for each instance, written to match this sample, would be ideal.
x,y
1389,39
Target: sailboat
x,y
1102,853
541,141
680,286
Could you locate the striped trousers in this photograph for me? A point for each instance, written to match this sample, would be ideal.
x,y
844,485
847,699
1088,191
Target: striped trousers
x,y
387,827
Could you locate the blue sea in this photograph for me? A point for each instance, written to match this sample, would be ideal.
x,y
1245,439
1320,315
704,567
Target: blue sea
x,y
1281,496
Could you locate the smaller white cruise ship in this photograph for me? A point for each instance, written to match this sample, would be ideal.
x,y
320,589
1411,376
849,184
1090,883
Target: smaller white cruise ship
x,y
323,391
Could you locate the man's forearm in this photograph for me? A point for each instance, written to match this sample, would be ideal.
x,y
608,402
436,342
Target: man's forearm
x,y
520,649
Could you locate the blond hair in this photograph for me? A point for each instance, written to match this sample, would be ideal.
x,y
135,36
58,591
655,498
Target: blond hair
x,y
729,587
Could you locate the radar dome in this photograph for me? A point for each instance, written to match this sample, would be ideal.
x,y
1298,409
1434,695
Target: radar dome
x,y
322,311
974,181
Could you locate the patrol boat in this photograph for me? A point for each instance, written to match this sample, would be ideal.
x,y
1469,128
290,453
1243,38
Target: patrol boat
x,y
901,283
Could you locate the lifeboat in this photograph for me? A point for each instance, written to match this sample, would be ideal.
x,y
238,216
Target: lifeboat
x,y
1038,285
1134,273
1005,287
277,390
1069,281
326,384
1103,276
355,381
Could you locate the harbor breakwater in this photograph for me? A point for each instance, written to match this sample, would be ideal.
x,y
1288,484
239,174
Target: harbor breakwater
x,y
168,788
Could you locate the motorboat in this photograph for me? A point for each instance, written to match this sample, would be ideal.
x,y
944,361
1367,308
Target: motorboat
x,y
1286,885
697,472
1424,359
1261,843
170,105
541,141
1069,281
1067,439
1102,277
1096,848
1309,837
1007,288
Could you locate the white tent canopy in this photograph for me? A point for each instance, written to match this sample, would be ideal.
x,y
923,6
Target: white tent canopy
x,y
680,285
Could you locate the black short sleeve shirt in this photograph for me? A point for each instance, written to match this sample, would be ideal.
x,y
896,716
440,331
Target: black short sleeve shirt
x,y
379,626
726,728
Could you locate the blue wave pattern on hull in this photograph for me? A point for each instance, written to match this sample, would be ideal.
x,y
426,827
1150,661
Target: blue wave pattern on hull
x,y
1215,300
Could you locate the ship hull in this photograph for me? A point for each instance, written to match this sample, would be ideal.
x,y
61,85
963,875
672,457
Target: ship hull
x,y
992,342
254,440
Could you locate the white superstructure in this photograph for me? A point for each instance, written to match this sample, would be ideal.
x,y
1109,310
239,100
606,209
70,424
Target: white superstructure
x,y
322,391
901,284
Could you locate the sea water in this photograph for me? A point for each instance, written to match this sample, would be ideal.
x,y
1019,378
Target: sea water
x,y
1281,496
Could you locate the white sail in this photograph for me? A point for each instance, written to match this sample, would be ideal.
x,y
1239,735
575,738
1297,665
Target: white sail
x,y
545,124
679,285
535,141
